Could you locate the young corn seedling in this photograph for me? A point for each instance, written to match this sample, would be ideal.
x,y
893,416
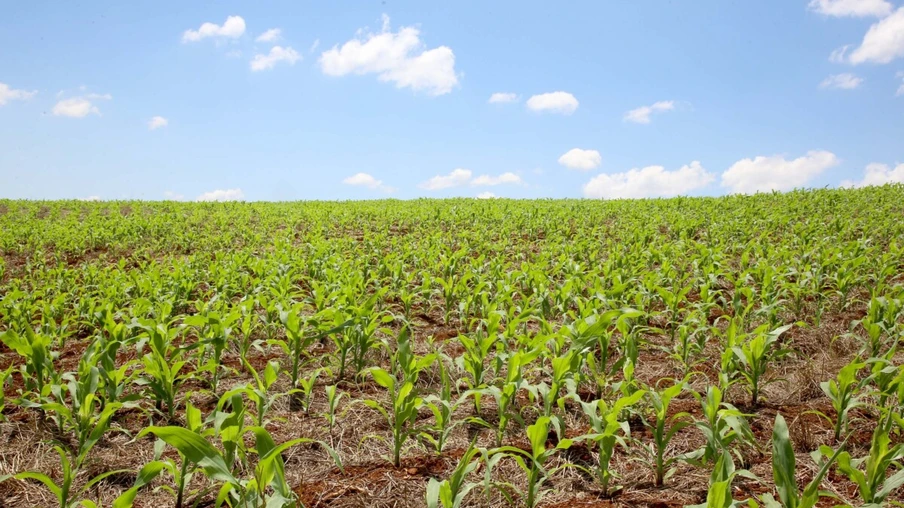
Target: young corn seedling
x,y
870,473
755,357
719,494
843,391
607,431
35,349
333,397
506,394
476,353
443,407
401,414
82,417
215,332
564,368
298,341
65,496
451,492
531,461
723,426
784,472
663,427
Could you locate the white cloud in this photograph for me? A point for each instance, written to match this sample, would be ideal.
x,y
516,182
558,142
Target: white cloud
x,y
90,198
456,178
878,174
76,107
580,159
852,8
222,195
232,28
460,177
883,42
839,55
648,182
157,122
173,196
502,97
270,35
763,174
487,195
10,94
366,180
553,102
277,54
642,114
846,81
400,58
485,180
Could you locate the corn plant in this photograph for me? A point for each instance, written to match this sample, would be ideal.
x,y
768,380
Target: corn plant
x,y
784,472
451,492
65,496
505,395
82,417
756,355
401,413
333,397
870,473
719,494
443,406
530,461
34,348
843,391
723,426
663,427
215,331
607,431
476,353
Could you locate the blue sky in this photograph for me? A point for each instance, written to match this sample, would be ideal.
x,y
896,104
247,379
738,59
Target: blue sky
x,y
361,100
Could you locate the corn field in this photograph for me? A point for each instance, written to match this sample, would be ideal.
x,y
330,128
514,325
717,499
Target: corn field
x,y
733,351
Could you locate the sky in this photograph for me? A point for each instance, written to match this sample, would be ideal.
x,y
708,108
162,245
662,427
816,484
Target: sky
x,y
303,100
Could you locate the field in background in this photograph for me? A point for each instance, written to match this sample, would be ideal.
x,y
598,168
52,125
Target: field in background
x,y
540,351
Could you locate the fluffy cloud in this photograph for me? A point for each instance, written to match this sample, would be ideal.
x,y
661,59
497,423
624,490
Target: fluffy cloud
x,y
502,97
883,42
486,195
460,177
400,58
648,182
580,159
173,196
846,81
852,8
10,94
90,198
232,28
157,122
553,102
222,195
839,55
878,174
763,174
366,180
642,114
456,178
485,180
270,35
78,107
277,54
